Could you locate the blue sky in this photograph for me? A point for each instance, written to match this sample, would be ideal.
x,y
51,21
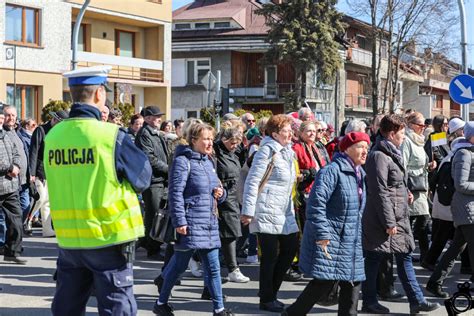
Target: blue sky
x,y
469,17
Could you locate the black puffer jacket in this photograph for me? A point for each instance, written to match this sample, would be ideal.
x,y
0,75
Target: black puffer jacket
x,y
36,165
154,146
387,202
228,171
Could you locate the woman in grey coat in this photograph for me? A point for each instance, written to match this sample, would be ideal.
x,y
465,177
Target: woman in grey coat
x,y
386,227
417,164
462,208
268,208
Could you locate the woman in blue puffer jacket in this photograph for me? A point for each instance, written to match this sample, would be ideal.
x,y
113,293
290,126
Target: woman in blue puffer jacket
x,y
331,249
194,192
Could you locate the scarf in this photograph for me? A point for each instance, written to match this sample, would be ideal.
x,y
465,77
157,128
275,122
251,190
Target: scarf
x,y
360,190
417,139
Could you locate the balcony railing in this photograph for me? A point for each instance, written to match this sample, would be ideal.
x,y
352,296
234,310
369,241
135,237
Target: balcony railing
x,y
360,57
124,67
440,77
278,91
356,101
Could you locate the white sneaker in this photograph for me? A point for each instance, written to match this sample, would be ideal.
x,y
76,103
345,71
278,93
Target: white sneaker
x,y
237,277
194,268
252,259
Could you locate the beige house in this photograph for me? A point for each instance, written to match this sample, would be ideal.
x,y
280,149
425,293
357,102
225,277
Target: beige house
x,y
133,36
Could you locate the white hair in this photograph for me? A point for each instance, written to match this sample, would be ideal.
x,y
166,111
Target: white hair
x,y
323,124
303,111
355,126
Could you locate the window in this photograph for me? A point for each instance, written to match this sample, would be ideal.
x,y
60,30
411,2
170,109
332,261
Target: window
x,y
384,49
202,25
221,24
196,69
22,25
124,43
362,41
81,39
439,101
182,26
192,114
26,101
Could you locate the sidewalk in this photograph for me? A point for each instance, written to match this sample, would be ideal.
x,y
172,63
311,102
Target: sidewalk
x,y
28,290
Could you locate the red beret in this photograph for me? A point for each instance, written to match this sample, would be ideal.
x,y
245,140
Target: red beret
x,y
353,138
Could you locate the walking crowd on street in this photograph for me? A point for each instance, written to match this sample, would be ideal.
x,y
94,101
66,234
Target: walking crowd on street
x,y
283,191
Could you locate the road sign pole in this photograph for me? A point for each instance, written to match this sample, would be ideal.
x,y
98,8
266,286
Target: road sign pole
x,y
14,78
209,91
462,14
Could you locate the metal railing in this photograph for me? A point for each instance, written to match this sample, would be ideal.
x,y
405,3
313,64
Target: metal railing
x,y
128,68
358,101
278,91
129,73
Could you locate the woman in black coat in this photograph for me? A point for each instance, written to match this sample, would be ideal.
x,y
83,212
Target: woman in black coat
x,y
228,171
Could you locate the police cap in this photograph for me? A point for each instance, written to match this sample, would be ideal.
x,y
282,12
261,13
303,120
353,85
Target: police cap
x,y
89,76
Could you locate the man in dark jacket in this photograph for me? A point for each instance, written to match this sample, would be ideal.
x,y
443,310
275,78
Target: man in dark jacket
x,y
152,143
9,196
36,167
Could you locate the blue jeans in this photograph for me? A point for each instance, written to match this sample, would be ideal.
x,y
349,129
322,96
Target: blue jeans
x,y
253,249
405,271
25,200
212,273
3,228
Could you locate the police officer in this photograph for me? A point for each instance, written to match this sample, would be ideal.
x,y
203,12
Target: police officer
x,y
94,172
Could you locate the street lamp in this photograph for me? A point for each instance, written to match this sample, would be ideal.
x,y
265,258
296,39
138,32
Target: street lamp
x,y
75,33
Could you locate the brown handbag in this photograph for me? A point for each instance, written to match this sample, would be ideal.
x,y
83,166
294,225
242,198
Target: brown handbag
x,y
267,174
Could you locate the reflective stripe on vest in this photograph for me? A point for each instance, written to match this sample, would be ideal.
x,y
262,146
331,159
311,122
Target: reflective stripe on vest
x,y
90,208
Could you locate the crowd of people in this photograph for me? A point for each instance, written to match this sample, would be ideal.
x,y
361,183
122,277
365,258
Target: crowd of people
x,y
283,191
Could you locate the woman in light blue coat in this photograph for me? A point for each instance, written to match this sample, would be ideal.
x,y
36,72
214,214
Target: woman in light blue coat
x,y
268,208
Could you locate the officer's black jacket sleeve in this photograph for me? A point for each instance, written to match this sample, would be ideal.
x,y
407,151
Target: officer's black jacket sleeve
x,y
131,163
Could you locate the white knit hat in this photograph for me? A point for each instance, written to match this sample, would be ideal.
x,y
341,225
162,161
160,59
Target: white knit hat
x,y
455,124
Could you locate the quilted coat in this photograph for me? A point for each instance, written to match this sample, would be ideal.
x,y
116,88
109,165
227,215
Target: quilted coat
x,y
272,210
228,171
462,172
191,202
334,212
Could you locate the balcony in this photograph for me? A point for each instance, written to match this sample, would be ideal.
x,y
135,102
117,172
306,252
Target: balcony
x,y
360,57
125,68
359,102
277,92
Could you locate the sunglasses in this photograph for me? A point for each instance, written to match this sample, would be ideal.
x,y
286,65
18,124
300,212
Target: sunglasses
x,y
320,130
419,125
251,121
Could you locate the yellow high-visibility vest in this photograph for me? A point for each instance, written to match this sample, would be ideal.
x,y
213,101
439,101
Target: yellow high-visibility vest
x,y
90,207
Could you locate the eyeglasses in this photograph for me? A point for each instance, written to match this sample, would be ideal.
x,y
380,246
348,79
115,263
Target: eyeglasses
x,y
419,125
251,121
320,130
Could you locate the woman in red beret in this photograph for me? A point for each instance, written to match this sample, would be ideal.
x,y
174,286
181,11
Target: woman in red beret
x,y
331,249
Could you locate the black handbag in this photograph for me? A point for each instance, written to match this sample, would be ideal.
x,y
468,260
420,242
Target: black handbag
x,y
162,229
418,183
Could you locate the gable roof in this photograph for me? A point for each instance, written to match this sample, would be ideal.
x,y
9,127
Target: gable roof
x,y
241,11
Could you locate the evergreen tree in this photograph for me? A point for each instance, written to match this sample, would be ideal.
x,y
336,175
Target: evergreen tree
x,y
303,33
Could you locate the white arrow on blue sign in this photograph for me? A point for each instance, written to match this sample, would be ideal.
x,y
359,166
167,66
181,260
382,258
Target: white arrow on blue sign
x,y
461,89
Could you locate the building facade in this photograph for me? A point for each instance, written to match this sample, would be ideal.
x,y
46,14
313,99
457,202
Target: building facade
x,y
229,36
132,36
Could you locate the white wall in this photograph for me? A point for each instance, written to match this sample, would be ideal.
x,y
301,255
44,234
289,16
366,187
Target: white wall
x,y
55,38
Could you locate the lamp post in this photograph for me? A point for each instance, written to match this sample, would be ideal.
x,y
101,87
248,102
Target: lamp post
x,y
75,33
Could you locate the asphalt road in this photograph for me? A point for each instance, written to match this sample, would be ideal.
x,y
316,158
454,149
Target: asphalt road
x,y
28,290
